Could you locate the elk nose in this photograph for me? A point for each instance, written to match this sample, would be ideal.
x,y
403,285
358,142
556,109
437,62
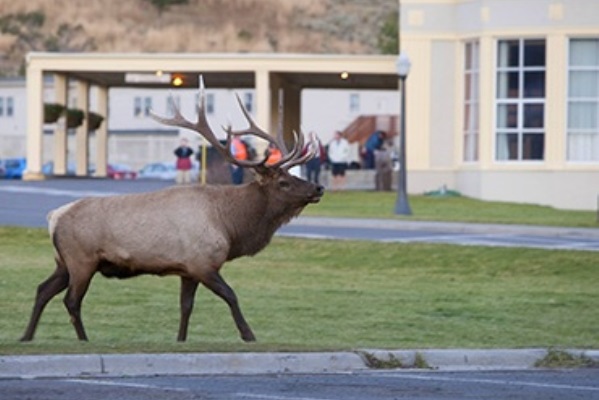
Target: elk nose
x,y
320,190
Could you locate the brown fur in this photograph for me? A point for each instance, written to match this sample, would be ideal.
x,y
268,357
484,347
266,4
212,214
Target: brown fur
x,y
189,231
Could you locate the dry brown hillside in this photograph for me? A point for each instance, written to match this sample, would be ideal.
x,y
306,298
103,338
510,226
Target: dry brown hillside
x,y
289,26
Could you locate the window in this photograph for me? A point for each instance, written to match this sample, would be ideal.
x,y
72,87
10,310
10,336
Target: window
x,y
7,106
147,106
210,103
520,123
137,106
248,101
583,100
471,102
146,103
354,103
171,103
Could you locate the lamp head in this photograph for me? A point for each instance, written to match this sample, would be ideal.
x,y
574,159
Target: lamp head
x,y
403,65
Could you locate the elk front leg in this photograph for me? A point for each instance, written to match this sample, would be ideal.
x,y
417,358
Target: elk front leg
x,y
188,292
219,287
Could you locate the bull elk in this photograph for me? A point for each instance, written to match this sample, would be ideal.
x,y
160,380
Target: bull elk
x,y
189,231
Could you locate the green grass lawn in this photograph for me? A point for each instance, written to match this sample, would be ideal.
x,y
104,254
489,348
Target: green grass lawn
x,y
370,204
316,295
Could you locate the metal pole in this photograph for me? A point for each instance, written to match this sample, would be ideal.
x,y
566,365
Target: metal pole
x,y
402,205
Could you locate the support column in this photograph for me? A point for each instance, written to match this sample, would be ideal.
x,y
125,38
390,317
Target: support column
x,y
102,133
82,133
35,118
263,111
60,131
486,140
293,110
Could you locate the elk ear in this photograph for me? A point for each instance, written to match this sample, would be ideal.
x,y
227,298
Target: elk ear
x,y
262,173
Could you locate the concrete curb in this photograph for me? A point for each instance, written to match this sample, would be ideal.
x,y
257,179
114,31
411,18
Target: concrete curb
x,y
107,365
52,366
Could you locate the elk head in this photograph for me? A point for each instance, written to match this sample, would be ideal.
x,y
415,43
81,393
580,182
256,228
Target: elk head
x,y
274,177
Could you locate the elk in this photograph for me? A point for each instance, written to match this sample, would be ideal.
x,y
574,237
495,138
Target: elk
x,y
189,231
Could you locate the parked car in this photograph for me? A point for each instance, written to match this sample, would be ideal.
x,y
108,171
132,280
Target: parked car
x,y
158,170
14,167
120,171
48,168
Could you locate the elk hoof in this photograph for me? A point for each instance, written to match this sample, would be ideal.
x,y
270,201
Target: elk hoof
x,y
248,337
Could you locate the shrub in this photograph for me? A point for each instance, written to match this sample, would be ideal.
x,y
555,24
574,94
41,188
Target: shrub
x,y
52,111
74,117
94,120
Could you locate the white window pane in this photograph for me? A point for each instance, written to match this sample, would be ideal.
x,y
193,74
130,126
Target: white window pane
x,y
584,52
507,146
507,85
583,147
471,147
583,115
584,84
509,53
507,116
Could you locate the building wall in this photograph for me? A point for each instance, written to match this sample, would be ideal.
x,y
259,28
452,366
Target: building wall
x,y
138,139
433,34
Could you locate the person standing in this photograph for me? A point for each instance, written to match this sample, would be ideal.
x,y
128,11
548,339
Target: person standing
x,y
239,151
375,142
314,164
273,154
338,153
183,163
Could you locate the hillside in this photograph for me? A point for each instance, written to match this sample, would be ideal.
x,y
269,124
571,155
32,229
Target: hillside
x,y
265,26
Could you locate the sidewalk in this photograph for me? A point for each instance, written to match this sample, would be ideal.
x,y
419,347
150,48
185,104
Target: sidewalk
x,y
107,365
436,226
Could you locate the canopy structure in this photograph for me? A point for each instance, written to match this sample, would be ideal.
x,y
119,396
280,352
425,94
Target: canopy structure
x,y
269,74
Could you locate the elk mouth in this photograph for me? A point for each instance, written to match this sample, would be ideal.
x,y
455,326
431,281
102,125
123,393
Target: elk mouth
x,y
315,198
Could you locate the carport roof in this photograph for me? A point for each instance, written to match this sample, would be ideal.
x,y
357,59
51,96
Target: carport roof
x,y
223,70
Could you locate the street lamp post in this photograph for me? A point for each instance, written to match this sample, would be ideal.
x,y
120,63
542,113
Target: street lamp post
x,y
402,205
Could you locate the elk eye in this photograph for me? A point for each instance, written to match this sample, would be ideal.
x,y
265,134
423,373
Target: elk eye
x,y
283,184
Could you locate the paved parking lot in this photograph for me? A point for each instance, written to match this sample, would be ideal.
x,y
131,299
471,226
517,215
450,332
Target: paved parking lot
x,y
371,385
27,203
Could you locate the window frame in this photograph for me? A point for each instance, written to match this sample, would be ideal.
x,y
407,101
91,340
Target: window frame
x,y
471,102
593,133
524,136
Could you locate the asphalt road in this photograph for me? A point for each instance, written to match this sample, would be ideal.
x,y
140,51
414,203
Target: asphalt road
x,y
27,203
371,385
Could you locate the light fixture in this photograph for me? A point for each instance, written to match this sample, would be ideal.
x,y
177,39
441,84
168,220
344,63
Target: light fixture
x,y
344,75
403,65
177,80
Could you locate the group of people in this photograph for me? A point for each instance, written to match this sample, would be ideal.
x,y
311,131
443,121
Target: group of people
x,y
336,154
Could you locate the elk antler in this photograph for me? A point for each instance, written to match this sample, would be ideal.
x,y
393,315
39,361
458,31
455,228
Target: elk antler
x,y
203,128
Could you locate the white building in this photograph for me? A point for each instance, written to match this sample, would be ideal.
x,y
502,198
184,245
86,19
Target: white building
x,y
136,139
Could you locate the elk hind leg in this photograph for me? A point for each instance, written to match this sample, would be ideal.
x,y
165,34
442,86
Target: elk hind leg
x,y
219,287
77,288
188,291
56,283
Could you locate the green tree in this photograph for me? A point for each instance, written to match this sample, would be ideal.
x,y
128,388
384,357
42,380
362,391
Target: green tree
x,y
388,38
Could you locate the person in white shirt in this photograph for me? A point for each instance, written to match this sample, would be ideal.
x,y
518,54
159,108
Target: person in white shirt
x,y
338,157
